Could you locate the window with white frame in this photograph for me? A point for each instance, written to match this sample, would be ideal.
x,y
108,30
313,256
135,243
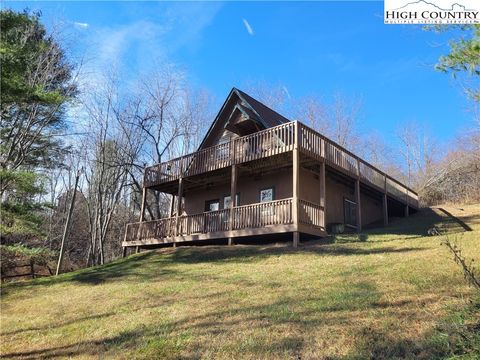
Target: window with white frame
x,y
267,194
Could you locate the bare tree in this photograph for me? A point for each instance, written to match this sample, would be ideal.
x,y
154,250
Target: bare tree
x,y
458,171
343,114
384,156
313,112
161,118
275,96
110,149
173,118
337,119
419,151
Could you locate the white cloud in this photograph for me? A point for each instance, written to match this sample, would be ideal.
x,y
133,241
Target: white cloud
x,y
80,25
285,90
134,48
248,27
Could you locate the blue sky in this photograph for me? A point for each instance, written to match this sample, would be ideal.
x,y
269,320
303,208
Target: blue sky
x,y
310,47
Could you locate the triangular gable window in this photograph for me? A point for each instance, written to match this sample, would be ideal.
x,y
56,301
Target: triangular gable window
x,y
242,121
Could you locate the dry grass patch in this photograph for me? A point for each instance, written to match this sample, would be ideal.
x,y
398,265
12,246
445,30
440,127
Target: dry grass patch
x,y
397,294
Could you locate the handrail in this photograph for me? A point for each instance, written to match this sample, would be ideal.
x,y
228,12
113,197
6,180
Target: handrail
x,y
311,214
266,202
258,145
272,141
357,158
277,212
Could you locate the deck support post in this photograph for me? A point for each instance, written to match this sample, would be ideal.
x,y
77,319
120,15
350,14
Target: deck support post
x,y
142,208
296,239
179,207
142,215
323,194
233,192
385,203
407,212
172,205
124,253
359,205
385,209
295,185
358,200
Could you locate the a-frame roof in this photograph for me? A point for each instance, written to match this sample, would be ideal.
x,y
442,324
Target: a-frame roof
x,y
239,99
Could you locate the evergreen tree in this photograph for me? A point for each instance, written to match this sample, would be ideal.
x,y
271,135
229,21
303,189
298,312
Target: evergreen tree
x,y
36,84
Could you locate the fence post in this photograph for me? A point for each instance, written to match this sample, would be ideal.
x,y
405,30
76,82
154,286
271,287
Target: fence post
x,y
32,269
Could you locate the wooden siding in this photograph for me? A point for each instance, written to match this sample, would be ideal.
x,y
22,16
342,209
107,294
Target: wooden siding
x,y
247,186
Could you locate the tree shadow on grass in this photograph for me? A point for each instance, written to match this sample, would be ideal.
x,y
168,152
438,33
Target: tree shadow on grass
x,y
302,315
457,220
81,348
375,344
249,254
136,266
59,324
414,227
164,340
151,265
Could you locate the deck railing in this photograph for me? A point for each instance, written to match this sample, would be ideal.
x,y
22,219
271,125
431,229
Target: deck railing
x,y
311,214
272,141
211,221
265,143
257,215
155,229
320,147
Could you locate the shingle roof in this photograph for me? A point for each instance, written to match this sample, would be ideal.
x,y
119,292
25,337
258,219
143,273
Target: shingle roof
x,y
264,114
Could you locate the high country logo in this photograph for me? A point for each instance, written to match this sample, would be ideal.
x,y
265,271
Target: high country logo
x,y
432,12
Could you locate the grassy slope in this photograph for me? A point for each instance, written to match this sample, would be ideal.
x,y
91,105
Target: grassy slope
x,y
397,294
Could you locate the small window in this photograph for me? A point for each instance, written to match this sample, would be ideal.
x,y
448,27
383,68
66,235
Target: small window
x,y
226,202
267,194
350,212
227,199
212,205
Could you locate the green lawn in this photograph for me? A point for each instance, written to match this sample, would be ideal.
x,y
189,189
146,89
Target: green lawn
x,y
396,293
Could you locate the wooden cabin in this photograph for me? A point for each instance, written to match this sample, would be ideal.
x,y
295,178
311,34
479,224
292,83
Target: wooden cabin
x,y
258,173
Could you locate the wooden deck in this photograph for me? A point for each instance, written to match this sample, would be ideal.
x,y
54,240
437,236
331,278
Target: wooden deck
x,y
254,219
294,143
271,142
